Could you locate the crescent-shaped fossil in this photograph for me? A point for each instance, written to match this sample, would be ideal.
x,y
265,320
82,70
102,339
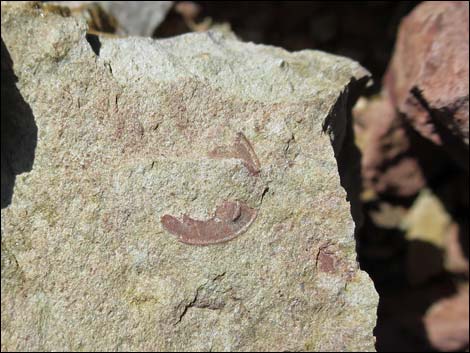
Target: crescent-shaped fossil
x,y
241,149
230,220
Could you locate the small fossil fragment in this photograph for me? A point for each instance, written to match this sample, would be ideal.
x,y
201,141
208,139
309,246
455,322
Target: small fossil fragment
x,y
241,149
230,220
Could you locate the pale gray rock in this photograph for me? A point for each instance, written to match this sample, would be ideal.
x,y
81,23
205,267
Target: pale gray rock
x,y
133,18
137,18
124,138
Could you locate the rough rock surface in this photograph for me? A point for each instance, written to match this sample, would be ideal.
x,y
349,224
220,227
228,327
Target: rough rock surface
x,y
125,137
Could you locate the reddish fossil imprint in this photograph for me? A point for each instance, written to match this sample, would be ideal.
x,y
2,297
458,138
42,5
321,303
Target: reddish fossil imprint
x,y
241,149
230,220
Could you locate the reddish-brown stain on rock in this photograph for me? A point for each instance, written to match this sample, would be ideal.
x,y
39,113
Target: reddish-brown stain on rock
x,y
230,220
241,149
326,260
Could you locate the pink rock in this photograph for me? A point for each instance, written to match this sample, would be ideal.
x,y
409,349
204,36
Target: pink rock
x,y
387,166
446,322
427,79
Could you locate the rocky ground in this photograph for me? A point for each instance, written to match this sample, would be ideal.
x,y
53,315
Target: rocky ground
x,y
414,143
119,153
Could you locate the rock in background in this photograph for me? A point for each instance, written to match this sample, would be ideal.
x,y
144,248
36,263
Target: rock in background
x,y
120,18
414,141
122,133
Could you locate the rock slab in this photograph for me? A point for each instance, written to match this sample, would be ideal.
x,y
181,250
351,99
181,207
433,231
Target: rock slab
x,y
126,134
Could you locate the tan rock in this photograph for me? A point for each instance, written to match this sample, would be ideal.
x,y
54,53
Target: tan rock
x,y
124,138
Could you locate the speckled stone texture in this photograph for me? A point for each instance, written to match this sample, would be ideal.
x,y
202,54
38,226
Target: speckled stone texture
x,y
124,137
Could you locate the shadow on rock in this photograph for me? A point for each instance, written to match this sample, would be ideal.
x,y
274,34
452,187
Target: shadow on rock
x,y
346,152
18,130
